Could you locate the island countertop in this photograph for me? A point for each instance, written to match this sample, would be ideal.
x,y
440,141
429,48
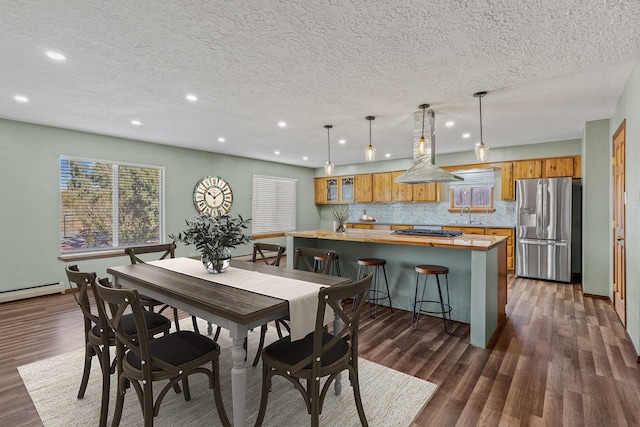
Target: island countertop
x,y
463,241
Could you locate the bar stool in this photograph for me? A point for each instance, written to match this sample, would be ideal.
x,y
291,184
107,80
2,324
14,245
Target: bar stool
x,y
445,309
318,264
374,295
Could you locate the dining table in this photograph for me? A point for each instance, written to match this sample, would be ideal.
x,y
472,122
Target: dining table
x,y
223,299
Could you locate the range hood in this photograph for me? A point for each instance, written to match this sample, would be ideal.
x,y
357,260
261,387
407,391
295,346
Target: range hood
x,y
424,169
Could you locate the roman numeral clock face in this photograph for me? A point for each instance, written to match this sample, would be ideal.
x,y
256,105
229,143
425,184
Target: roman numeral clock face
x,y
212,195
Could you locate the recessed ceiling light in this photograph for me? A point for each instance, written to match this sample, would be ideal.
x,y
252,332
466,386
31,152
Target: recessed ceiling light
x,y
136,122
55,55
342,141
305,158
191,97
221,139
277,153
388,155
466,135
449,123
282,124
21,98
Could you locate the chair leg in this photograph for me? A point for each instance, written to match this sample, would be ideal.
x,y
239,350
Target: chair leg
x,y
117,415
263,332
384,271
89,352
313,387
264,396
175,318
106,386
147,408
217,335
217,394
185,389
355,384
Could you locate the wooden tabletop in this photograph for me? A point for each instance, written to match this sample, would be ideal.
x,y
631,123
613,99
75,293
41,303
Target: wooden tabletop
x,y
464,241
237,305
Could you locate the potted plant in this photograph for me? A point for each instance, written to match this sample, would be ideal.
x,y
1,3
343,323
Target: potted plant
x,y
214,237
341,215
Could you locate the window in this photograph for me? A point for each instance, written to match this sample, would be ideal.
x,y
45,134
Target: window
x,y
273,204
475,192
108,205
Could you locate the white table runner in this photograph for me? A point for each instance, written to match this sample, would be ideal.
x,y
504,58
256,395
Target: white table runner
x,y
302,296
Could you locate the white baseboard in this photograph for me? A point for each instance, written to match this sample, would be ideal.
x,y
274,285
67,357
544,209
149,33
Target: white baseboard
x,y
18,294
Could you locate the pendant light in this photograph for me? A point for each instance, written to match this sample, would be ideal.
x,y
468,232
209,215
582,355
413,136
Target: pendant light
x,y
370,151
328,167
482,151
422,143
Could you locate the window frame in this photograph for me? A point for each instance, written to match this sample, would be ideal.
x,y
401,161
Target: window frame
x,y
273,205
116,246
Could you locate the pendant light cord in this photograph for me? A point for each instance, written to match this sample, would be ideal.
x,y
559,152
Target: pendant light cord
x,y
328,143
424,108
480,99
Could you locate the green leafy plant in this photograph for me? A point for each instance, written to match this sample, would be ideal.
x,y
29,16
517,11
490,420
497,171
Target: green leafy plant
x,y
211,235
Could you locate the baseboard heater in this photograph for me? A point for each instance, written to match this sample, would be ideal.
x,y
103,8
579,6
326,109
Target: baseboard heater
x,y
37,291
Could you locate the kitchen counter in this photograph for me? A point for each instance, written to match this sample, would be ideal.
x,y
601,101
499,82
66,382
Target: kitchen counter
x,y
477,270
464,241
453,224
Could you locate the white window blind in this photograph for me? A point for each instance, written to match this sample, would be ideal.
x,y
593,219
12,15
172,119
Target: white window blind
x,y
474,178
106,205
273,204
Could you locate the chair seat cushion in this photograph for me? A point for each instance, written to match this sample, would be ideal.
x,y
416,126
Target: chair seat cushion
x,y
292,352
152,320
176,349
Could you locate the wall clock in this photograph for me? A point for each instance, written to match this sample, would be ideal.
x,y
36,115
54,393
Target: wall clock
x,y
212,195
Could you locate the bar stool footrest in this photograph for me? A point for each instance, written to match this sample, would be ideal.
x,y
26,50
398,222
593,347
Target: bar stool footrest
x,y
447,307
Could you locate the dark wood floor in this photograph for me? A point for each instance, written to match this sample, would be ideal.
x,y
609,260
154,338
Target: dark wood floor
x,y
561,360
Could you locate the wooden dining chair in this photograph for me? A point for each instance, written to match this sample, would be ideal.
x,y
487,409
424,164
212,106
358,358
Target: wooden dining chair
x,y
320,354
97,343
313,259
166,251
259,250
143,360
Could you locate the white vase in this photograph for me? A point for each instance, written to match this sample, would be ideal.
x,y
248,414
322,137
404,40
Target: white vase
x,y
218,262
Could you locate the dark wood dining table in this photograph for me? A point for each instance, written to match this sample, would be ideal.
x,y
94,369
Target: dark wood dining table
x,y
234,309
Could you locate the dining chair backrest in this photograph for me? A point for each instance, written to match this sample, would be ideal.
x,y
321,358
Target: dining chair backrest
x,y
259,250
314,259
82,280
165,250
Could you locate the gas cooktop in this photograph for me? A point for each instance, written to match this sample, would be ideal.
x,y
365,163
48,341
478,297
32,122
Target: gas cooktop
x,y
429,232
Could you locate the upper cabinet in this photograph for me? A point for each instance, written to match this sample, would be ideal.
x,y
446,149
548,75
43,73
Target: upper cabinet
x,y
343,189
382,188
547,168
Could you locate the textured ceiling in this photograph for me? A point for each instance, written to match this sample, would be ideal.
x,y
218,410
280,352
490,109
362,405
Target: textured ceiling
x,y
548,65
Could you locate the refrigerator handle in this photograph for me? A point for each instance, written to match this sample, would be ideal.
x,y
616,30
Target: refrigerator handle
x,y
539,217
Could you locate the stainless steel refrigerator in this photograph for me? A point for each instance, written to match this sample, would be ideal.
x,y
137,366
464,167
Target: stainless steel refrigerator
x,y
543,232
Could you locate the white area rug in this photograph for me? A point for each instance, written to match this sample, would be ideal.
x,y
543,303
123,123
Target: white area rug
x,y
390,398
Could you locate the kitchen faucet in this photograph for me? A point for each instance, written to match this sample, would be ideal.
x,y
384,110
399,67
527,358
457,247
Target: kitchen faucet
x,y
468,209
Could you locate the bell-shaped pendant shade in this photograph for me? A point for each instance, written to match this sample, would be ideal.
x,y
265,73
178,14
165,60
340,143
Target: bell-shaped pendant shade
x,y
370,151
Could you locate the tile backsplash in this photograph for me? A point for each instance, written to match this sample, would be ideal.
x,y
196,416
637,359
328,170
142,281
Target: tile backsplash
x,y
424,214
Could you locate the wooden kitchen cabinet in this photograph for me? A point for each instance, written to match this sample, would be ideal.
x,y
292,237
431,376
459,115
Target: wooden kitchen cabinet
x,y
509,232
381,187
524,169
562,166
427,192
343,189
400,192
508,184
321,191
363,188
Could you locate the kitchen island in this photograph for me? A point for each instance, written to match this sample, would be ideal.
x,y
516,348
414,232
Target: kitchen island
x,y
477,269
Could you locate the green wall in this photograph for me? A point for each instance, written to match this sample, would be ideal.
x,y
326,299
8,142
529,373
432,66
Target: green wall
x,y
29,196
628,108
595,208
